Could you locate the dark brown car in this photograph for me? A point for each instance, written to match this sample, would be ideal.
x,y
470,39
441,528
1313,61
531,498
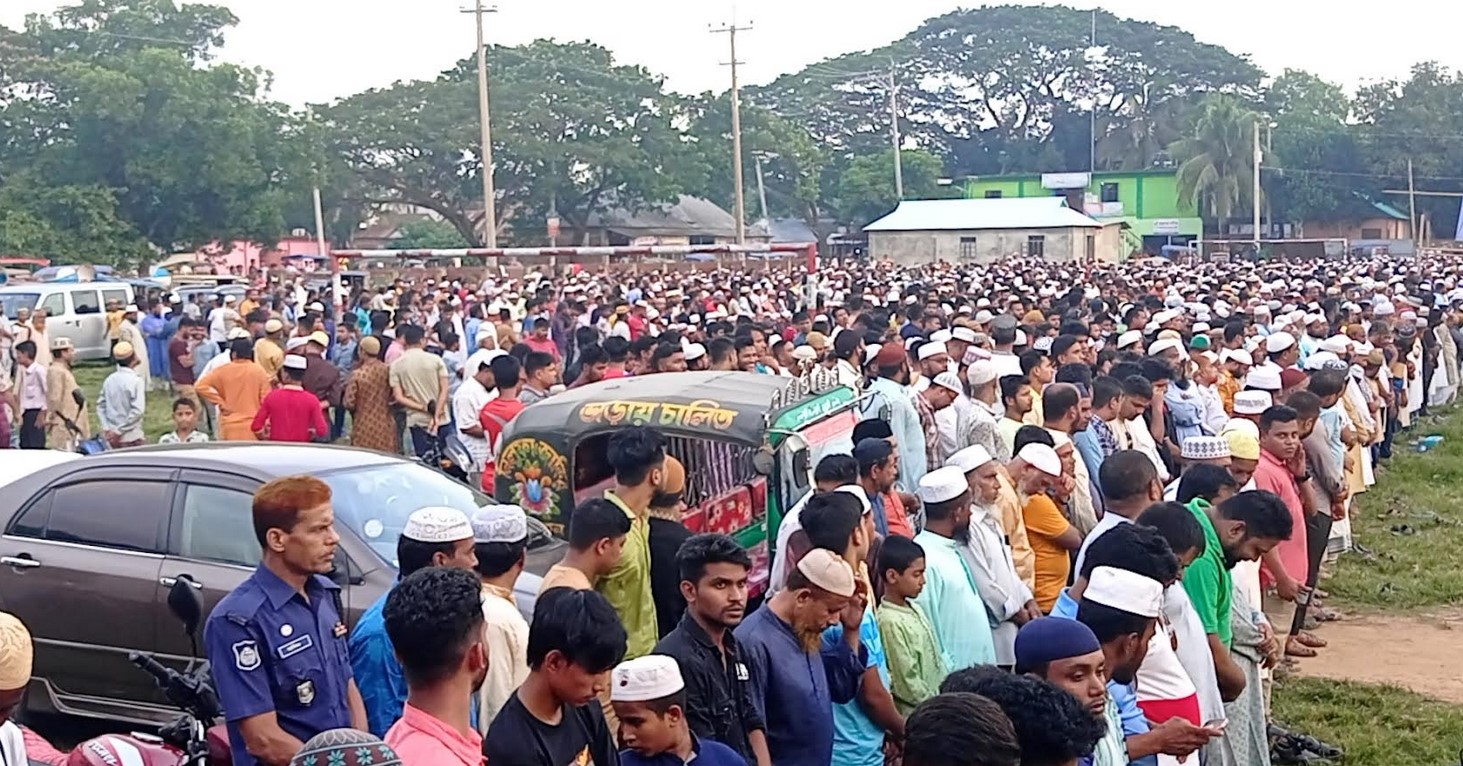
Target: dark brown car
x,y
91,546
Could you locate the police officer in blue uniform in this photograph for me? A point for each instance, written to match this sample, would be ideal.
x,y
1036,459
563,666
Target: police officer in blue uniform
x,y
277,644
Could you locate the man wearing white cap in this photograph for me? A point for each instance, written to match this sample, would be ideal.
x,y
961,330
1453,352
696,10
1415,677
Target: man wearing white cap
x,y
936,398
500,542
795,680
129,332
649,697
977,415
435,536
290,413
1199,450
1006,597
950,598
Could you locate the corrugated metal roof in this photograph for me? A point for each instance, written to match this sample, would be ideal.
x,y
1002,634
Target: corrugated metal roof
x,y
968,214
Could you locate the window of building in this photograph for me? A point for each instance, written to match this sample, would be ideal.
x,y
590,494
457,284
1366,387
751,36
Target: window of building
x,y
1371,233
967,248
1036,246
697,239
1110,192
993,194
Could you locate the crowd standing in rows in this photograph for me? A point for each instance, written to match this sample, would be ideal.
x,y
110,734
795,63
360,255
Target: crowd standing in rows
x,y
1083,518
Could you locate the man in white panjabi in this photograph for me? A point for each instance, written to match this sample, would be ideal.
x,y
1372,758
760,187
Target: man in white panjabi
x,y
500,538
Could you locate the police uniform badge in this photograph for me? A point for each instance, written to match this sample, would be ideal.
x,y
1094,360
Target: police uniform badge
x,y
305,692
339,630
246,655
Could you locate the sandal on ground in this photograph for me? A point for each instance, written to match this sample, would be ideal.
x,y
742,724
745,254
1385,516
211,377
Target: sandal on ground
x,y
1294,648
1310,639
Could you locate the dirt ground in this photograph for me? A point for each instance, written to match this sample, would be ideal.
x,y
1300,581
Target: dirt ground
x,y
1416,652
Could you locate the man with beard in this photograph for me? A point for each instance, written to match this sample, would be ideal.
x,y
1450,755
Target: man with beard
x,y
793,688
890,401
1006,597
1016,398
713,570
436,625
1243,528
950,598
1067,655
878,468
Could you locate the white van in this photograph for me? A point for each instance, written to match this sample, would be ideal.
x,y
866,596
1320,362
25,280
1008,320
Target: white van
x,y
74,310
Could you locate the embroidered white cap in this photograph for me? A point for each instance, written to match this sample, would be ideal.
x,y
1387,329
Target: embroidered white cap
x,y
651,677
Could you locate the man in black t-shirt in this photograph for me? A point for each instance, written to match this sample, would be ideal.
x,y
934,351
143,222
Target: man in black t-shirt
x,y
554,718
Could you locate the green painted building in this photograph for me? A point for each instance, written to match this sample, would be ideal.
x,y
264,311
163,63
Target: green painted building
x,y
1147,201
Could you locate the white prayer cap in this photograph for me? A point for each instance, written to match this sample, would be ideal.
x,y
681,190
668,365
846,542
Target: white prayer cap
x,y
1266,377
1166,344
858,492
942,485
294,343
871,351
1237,355
481,357
949,380
1164,317
437,524
801,353
1020,337
970,458
1042,458
1124,591
237,333
499,524
1204,448
1251,402
930,349
941,336
1319,359
316,306
295,362
131,308
981,372
829,572
1044,343
695,351
1200,328
17,653
651,677
984,316
1336,344
1278,342
1241,425
1129,338
964,334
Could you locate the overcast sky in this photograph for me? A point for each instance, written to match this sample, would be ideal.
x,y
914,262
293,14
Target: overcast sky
x,y
321,50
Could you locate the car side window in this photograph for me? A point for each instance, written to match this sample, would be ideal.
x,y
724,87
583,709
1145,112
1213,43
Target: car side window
x,y
54,304
85,302
218,526
120,296
126,515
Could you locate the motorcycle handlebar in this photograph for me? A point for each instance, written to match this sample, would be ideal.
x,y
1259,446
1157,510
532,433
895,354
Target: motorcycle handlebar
x,y
163,675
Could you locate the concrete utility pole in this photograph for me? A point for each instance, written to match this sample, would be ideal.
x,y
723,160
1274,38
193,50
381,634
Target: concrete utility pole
x,y
1255,202
337,299
1411,204
1092,117
490,206
740,213
761,189
894,134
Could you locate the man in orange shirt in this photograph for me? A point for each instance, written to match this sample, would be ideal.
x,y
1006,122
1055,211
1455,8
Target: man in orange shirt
x,y
237,389
1052,537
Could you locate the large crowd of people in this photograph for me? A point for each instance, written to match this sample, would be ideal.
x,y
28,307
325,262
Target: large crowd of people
x,y
1085,515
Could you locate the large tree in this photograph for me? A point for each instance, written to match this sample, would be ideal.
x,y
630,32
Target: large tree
x,y
112,96
573,131
1216,160
1416,119
866,190
995,89
1314,169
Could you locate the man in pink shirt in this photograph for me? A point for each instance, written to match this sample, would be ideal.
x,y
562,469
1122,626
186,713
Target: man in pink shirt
x,y
1285,567
434,619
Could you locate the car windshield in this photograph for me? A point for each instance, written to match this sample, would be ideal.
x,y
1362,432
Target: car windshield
x,y
12,303
374,502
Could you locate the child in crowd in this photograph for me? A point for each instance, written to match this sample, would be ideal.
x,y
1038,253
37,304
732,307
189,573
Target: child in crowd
x,y
916,666
185,424
650,700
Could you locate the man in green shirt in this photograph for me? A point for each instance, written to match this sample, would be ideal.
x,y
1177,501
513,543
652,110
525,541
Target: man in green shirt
x,y
637,454
1242,528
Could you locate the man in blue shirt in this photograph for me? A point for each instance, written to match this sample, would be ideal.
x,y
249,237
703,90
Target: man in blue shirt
x,y
889,400
432,537
793,690
277,643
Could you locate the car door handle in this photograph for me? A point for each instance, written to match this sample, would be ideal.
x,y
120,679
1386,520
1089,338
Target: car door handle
x,y
168,582
19,562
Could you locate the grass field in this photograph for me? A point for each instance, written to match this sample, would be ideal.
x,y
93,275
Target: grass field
x,y
158,419
1376,725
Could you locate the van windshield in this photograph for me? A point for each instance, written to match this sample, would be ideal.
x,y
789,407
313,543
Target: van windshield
x,y
12,303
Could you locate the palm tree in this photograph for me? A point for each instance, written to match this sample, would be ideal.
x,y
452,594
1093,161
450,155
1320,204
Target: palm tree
x,y
1216,161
